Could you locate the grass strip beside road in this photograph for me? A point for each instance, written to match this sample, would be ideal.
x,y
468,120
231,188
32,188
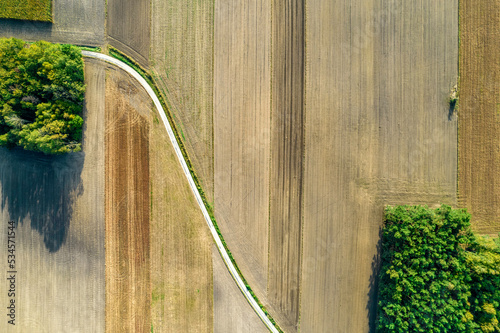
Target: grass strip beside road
x,y
30,10
149,79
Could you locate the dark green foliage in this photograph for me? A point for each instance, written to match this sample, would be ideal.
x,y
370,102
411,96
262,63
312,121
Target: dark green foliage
x,y
436,275
41,96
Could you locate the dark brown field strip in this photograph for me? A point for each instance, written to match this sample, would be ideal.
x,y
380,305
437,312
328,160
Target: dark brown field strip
x,y
287,150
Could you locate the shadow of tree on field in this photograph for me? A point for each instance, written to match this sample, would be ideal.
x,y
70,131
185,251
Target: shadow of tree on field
x,y
41,189
451,108
372,304
29,29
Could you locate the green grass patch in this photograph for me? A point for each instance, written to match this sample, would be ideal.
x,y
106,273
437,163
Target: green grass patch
x,y
31,10
150,80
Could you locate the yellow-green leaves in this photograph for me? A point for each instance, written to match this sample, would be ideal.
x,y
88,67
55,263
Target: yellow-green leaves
x,y
41,96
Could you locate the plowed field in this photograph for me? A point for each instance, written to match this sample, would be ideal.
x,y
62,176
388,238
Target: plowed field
x,y
128,286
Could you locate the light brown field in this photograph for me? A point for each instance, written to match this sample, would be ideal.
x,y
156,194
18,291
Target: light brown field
x,y
58,205
287,150
75,22
182,63
181,258
232,313
479,114
241,133
128,283
377,132
128,27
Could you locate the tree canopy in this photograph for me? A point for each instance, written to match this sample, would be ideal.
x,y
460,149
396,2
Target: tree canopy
x,y
436,274
41,96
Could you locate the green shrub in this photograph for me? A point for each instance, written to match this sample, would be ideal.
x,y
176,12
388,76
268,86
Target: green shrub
x,y
436,275
41,96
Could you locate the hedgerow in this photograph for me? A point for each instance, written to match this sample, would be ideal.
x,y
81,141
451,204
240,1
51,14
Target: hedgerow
x,y
436,275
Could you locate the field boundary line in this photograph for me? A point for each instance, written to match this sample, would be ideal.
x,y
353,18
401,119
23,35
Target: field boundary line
x,y
222,250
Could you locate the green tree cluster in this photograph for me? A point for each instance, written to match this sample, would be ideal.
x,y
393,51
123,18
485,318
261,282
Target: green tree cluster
x,y
436,275
41,96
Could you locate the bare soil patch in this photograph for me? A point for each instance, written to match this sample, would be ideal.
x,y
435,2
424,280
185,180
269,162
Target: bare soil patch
x,y
128,288
57,204
479,114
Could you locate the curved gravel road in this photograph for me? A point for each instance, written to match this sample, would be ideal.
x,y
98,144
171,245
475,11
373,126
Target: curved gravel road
x,y
180,157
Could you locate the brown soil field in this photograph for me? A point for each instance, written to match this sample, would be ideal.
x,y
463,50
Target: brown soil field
x,y
378,131
182,63
75,22
128,282
287,149
180,245
128,27
232,313
479,114
242,99
57,204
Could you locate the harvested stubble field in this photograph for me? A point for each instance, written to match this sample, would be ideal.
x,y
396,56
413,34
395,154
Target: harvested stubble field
x,y
479,114
58,206
182,63
372,127
128,27
242,96
378,132
181,258
75,22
